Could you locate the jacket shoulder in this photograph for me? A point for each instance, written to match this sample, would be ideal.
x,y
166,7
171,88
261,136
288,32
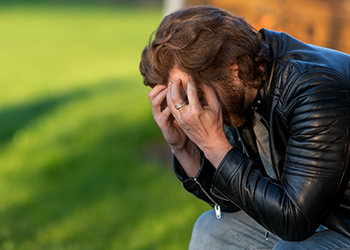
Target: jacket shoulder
x,y
306,86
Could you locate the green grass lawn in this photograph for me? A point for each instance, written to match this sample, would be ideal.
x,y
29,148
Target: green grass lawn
x,y
82,163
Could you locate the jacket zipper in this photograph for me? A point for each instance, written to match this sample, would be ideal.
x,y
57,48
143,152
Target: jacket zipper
x,y
241,141
217,207
246,152
265,122
266,235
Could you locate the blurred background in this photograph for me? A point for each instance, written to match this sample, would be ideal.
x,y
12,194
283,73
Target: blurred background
x,y
82,163
321,22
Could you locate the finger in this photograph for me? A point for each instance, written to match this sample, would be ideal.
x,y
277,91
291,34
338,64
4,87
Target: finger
x,y
174,95
168,96
176,92
155,91
193,94
165,117
171,104
157,101
211,96
159,98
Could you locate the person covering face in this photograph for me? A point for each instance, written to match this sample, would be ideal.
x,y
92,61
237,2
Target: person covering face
x,y
258,122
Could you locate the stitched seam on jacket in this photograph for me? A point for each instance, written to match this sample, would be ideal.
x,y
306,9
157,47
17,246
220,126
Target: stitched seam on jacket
x,y
299,73
233,173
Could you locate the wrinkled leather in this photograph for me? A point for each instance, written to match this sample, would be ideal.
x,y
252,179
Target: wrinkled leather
x,y
305,103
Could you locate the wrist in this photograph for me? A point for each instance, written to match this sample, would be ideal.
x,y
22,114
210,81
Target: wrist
x,y
216,152
189,158
189,149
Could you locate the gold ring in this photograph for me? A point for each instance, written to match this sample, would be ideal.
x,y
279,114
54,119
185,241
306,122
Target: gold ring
x,y
180,105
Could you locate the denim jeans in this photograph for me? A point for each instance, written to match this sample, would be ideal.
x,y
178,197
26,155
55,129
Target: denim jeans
x,y
238,231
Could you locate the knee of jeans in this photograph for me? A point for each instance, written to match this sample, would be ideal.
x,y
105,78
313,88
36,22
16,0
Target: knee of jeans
x,y
204,220
283,245
202,232
204,224
278,246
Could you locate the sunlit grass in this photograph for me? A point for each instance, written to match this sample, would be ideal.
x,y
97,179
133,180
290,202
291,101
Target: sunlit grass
x,y
80,164
61,48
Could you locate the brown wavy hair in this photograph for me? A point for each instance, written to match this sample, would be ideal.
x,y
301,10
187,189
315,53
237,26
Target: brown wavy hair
x,y
204,41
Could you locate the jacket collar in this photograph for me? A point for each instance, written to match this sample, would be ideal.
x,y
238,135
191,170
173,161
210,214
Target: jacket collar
x,y
264,92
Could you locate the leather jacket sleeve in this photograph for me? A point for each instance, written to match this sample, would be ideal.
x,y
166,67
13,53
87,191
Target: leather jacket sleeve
x,y
314,110
200,185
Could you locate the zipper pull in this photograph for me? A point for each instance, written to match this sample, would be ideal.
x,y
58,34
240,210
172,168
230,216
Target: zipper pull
x,y
217,209
266,235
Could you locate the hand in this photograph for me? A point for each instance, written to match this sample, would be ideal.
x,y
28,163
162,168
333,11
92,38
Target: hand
x,y
202,124
172,132
185,150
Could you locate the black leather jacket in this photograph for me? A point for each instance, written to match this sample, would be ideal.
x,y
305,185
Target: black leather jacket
x,y
306,107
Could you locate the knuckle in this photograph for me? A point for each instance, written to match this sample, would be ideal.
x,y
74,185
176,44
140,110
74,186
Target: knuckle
x,y
195,113
150,95
153,102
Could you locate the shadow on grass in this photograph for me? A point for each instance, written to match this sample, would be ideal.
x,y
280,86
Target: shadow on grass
x,y
102,198
113,195
15,118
